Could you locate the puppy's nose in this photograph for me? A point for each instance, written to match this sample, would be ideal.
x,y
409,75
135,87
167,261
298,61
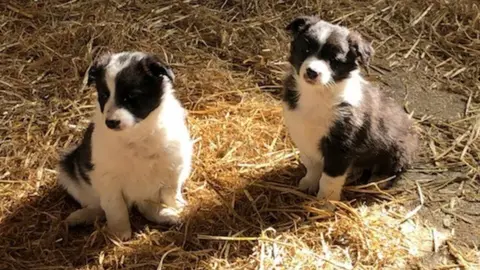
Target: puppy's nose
x,y
311,74
112,124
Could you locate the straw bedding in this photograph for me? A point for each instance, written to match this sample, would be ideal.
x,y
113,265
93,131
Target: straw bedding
x,y
244,213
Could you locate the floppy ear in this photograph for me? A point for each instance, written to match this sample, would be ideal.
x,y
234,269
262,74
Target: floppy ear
x,y
154,67
97,67
362,49
300,23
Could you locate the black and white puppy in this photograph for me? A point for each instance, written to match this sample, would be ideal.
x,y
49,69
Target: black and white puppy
x,y
137,149
338,121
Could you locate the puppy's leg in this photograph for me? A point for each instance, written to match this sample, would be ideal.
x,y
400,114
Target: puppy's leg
x,y
158,213
335,171
174,202
171,203
309,183
182,177
331,187
86,216
168,210
116,212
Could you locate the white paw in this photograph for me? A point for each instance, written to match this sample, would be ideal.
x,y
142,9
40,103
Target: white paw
x,y
329,195
329,206
308,185
121,232
169,216
181,203
83,216
75,218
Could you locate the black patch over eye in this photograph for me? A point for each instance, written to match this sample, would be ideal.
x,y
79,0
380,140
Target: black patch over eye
x,y
302,47
131,96
103,95
337,60
305,46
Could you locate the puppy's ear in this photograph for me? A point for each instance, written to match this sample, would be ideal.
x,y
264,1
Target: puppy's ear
x,y
154,67
97,67
300,23
361,48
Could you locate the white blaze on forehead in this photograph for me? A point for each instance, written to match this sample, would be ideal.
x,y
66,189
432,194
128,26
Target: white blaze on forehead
x,y
117,63
323,31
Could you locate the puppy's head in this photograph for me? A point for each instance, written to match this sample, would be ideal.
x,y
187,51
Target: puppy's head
x,y
323,53
130,86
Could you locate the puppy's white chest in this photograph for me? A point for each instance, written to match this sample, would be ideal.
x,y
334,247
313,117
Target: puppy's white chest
x,y
139,170
307,124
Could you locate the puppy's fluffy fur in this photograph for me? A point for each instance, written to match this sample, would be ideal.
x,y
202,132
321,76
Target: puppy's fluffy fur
x,y
137,150
338,121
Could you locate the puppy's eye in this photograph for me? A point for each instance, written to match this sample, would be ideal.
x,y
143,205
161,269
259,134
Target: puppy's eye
x,y
131,96
336,60
103,94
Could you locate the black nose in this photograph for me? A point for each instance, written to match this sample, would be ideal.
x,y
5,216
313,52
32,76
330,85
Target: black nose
x,y
311,74
113,124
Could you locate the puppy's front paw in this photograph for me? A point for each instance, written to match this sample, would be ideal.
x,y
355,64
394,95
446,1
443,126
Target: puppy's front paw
x,y
328,205
329,194
181,203
76,218
84,216
121,232
169,216
308,185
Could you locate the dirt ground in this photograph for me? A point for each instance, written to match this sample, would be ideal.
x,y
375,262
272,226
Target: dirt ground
x,y
244,210
452,208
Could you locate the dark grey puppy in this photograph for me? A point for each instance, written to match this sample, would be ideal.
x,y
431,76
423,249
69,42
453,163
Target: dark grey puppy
x,y
338,121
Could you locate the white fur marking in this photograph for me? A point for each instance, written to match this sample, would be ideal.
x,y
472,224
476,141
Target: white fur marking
x,y
324,33
126,119
352,89
318,66
331,187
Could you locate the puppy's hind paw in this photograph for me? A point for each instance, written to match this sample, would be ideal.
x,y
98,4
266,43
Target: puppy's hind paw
x,y
308,185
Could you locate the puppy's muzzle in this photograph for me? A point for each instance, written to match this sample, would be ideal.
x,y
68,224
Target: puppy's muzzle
x,y
312,76
113,124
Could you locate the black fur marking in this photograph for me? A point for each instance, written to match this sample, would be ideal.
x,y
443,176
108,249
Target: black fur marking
x,y
290,94
80,159
103,93
363,134
139,90
96,74
379,149
299,24
301,48
342,50
336,146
